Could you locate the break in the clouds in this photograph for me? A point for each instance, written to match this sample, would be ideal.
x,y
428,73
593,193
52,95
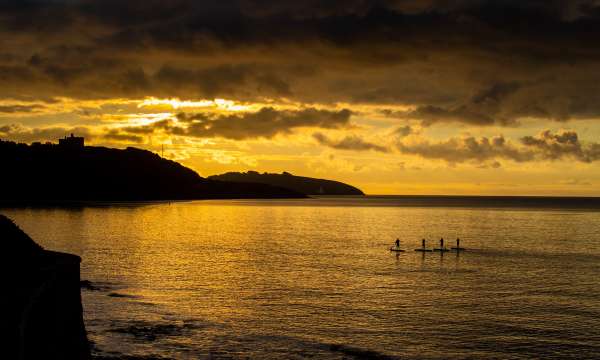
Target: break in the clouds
x,y
479,62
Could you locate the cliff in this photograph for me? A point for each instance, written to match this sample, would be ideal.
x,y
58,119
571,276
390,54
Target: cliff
x,y
304,185
40,303
53,173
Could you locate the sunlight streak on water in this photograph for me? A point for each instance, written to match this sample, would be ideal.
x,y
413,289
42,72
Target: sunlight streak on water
x,y
267,279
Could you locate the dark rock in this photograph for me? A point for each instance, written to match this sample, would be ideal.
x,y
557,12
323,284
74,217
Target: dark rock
x,y
88,285
151,332
119,295
40,304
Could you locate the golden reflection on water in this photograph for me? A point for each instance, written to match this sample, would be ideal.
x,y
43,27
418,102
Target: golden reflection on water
x,y
261,279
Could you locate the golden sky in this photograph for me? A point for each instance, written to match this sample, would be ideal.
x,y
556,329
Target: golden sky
x,y
395,97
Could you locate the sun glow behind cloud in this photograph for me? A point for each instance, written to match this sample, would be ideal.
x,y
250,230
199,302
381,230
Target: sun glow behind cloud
x,y
361,147
118,122
218,104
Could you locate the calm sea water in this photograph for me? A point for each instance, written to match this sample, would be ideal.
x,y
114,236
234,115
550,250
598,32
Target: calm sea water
x,y
314,278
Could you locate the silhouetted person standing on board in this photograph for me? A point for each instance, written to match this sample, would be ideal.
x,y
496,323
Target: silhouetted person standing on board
x,y
423,243
397,243
442,243
457,243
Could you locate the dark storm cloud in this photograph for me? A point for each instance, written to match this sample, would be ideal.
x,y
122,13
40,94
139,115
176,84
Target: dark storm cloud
x,y
11,109
117,135
545,146
505,104
473,61
485,108
265,123
350,142
223,80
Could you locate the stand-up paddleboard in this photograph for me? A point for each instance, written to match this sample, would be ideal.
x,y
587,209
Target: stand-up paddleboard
x,y
423,247
441,250
457,247
397,249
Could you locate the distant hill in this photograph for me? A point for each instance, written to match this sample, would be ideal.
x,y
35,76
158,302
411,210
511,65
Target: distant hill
x,y
305,185
42,173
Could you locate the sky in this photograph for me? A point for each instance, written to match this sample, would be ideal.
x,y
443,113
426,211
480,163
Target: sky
x,y
395,97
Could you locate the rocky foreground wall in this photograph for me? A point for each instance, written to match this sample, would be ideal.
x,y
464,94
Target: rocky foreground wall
x,y
40,300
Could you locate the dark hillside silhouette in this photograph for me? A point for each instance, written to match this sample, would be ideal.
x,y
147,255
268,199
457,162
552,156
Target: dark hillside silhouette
x,y
305,185
56,173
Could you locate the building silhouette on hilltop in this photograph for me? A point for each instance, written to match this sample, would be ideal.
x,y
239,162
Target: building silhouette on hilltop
x,y
72,142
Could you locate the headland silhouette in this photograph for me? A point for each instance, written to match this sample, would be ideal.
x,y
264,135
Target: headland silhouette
x,y
302,184
72,172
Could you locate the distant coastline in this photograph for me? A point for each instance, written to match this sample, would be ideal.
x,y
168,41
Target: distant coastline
x,y
301,184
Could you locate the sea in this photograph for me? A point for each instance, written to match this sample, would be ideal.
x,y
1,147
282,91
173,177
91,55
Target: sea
x,y
315,278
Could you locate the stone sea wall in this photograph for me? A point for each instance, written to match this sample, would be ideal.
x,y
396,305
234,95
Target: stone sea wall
x,y
40,303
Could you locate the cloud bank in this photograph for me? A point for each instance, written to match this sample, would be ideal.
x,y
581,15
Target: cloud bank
x,y
546,146
351,142
494,62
